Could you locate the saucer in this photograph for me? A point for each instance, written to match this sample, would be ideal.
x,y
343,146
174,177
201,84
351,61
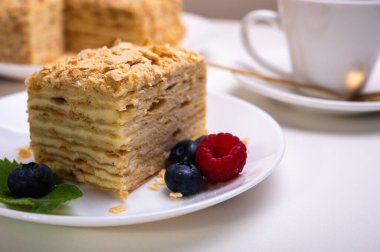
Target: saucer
x,y
291,96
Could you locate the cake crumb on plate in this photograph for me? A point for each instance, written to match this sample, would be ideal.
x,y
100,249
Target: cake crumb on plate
x,y
175,195
245,140
24,152
154,186
160,181
123,194
118,209
161,174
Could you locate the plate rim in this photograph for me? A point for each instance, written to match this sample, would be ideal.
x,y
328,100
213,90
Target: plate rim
x,y
305,101
121,220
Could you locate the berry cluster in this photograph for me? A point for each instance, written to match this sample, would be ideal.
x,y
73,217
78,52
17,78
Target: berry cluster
x,y
217,157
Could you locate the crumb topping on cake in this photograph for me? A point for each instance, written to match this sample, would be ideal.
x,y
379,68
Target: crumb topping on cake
x,y
114,71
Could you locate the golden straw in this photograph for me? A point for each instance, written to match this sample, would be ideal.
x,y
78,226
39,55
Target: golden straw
x,y
359,97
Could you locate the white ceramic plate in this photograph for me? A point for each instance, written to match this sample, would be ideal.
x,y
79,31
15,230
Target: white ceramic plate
x,y
225,114
293,97
198,32
17,71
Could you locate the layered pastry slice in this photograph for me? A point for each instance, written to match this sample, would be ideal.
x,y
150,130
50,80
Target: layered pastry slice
x,y
108,117
31,31
96,23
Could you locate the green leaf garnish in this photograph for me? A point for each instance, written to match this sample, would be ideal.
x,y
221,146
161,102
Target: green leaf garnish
x,y
60,193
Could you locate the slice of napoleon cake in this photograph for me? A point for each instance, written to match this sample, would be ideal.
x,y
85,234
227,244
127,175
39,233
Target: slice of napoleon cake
x,y
108,117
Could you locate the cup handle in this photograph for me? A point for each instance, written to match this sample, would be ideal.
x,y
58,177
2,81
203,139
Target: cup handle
x,y
261,16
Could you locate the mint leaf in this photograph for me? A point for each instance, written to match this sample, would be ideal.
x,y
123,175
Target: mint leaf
x,y
60,193
6,167
57,196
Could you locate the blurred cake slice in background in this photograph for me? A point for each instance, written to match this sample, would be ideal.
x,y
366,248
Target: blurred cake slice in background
x,y
31,31
109,117
96,23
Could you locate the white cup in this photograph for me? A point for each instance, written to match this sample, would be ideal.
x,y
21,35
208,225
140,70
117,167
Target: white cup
x,y
332,43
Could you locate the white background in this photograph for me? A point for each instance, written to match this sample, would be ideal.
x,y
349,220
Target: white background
x,y
227,8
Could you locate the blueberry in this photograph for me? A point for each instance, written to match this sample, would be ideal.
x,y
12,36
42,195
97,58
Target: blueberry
x,y
183,152
199,139
30,180
183,178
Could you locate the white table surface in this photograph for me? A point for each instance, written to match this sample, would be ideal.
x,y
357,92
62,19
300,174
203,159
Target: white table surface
x,y
322,197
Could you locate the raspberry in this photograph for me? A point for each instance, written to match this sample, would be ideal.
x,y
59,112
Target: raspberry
x,y
221,157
